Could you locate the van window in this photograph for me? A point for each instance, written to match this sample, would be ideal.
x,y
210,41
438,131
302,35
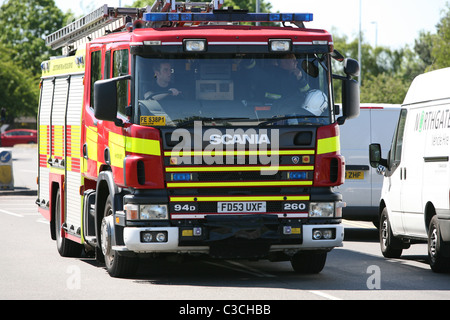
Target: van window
x,y
397,142
96,71
120,68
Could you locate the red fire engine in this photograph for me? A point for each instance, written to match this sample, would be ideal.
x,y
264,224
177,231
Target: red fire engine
x,y
175,129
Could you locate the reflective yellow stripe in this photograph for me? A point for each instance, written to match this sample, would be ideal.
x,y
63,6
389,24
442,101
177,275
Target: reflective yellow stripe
x,y
240,198
237,184
116,149
75,141
64,65
91,139
43,139
234,169
58,141
328,145
237,153
144,146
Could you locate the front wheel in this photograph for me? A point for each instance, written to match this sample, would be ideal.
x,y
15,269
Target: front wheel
x,y
117,265
438,262
391,247
309,262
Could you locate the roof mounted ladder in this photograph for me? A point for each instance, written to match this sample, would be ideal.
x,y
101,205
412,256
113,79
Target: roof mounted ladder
x,y
188,6
93,25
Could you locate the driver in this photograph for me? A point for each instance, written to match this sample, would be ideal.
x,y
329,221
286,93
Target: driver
x,y
288,79
161,86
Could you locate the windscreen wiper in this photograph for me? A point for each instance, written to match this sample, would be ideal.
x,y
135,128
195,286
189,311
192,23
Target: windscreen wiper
x,y
189,122
272,120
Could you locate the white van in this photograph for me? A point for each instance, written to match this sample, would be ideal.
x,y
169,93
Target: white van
x,y
415,197
362,188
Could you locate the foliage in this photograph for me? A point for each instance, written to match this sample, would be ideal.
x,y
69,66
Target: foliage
x,y
440,43
386,73
19,89
24,25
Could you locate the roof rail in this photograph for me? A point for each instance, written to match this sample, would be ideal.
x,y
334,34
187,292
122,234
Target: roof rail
x,y
93,25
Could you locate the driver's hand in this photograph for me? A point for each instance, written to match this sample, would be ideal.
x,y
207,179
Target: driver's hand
x,y
175,92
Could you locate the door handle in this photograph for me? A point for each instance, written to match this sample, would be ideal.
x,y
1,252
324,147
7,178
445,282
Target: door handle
x,y
402,173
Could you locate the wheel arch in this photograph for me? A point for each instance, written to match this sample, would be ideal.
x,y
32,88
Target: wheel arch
x,y
429,213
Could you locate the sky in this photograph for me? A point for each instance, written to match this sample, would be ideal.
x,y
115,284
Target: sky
x,y
390,23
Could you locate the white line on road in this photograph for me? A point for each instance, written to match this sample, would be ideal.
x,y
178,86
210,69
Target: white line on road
x,y
11,213
324,295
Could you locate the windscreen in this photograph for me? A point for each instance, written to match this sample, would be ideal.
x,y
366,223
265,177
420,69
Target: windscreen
x,y
233,90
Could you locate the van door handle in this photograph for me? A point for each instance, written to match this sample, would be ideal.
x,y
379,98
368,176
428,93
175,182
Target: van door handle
x,y
402,173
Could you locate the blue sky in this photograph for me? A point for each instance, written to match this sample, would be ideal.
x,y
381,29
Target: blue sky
x,y
391,23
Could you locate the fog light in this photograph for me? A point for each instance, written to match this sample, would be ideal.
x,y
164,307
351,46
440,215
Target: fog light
x,y
161,237
147,237
287,230
317,235
327,234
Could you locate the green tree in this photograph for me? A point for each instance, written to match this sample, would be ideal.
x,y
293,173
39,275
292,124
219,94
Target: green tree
x,y
19,88
384,88
249,5
441,42
237,4
24,25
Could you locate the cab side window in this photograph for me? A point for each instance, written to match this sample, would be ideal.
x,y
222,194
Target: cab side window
x,y
120,68
397,142
96,71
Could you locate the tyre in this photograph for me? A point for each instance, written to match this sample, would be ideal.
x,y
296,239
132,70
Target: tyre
x,y
117,265
438,262
66,247
391,247
309,262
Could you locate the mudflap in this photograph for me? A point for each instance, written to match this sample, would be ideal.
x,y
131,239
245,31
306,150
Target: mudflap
x,y
242,236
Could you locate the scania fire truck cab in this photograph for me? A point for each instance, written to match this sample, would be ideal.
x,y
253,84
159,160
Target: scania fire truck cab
x,y
195,135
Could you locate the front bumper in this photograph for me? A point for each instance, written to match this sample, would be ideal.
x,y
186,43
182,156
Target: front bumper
x,y
133,241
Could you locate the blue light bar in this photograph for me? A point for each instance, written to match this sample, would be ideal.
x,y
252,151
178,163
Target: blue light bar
x,y
227,17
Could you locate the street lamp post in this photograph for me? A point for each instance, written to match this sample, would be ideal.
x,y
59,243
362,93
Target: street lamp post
x,y
359,44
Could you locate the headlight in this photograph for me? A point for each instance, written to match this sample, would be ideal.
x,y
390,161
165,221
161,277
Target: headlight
x,y
321,210
146,211
153,212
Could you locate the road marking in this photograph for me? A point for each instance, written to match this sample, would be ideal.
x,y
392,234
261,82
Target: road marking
x,y
11,213
43,221
324,295
358,224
